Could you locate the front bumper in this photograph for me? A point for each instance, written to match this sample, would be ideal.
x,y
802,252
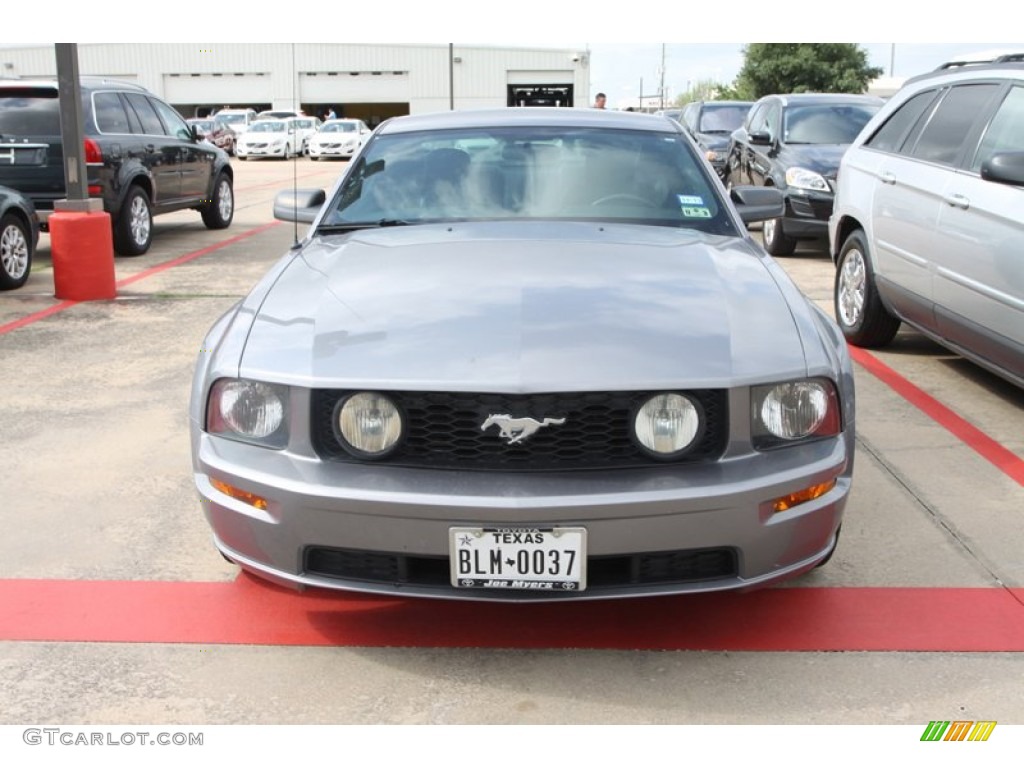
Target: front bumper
x,y
315,150
404,514
807,213
268,151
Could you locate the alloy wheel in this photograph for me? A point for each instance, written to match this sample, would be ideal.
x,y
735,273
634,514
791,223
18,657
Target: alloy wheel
x,y
13,251
852,282
139,221
225,200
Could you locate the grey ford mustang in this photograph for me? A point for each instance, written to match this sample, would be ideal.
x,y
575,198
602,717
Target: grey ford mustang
x,y
525,354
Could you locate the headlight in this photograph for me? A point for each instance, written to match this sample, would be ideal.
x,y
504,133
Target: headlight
x,y
793,411
368,424
667,425
801,178
250,411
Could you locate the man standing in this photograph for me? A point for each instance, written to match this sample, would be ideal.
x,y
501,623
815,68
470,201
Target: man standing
x,y
599,101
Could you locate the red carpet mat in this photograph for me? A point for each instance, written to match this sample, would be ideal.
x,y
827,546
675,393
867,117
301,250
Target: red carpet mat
x,y
249,611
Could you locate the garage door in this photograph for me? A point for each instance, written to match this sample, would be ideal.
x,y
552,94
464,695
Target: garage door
x,y
348,87
218,89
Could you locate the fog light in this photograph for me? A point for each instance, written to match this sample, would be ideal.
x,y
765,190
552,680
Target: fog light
x,y
369,424
237,493
800,497
667,425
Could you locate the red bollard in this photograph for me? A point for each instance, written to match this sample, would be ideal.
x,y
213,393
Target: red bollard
x,y
82,247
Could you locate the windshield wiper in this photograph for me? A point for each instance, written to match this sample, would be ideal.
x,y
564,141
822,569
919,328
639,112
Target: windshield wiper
x,y
349,226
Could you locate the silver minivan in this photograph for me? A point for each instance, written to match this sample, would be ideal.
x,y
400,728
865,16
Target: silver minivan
x,y
928,226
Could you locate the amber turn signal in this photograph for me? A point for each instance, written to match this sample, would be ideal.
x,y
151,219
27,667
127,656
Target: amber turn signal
x,y
807,494
237,493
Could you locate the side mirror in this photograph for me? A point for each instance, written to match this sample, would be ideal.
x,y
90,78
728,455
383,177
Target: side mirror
x,y
1004,168
758,203
762,138
301,205
194,132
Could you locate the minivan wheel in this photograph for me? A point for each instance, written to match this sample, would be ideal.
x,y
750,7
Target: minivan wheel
x,y
133,230
15,252
776,242
863,318
217,214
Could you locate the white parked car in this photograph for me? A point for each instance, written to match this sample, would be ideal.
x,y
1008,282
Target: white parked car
x,y
305,128
337,139
269,138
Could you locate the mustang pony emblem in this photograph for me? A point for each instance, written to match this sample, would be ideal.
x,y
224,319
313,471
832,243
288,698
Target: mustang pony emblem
x,y
516,430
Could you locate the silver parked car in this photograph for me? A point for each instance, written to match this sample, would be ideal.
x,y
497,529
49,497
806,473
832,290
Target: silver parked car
x,y
928,228
525,354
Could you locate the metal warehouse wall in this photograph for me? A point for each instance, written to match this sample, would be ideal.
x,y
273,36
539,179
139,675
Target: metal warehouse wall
x,y
480,72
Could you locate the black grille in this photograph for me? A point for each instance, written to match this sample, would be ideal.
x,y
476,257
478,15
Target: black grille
x,y
443,430
615,572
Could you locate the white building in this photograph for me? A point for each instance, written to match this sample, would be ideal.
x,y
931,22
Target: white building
x,y
366,81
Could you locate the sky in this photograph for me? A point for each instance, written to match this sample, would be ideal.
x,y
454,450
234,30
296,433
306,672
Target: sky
x,y
702,41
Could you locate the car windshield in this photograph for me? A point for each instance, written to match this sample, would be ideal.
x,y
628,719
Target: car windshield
x,y
600,174
268,126
722,118
826,123
203,125
339,128
235,118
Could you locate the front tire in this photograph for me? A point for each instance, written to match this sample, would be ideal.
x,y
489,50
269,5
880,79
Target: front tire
x,y
133,230
863,319
219,212
15,252
776,242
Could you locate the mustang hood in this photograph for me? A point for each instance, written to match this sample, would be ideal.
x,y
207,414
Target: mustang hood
x,y
520,307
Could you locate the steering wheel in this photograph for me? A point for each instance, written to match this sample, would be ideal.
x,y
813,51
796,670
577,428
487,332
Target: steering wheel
x,y
624,197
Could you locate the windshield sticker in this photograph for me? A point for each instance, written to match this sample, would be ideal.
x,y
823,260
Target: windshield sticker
x,y
690,200
696,213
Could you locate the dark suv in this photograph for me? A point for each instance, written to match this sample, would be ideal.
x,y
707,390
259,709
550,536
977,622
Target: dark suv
x,y
711,124
794,142
141,157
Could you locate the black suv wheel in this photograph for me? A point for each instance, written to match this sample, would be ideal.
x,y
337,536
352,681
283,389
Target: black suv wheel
x,y
776,242
133,230
217,214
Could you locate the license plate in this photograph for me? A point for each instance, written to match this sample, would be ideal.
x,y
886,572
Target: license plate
x,y
541,559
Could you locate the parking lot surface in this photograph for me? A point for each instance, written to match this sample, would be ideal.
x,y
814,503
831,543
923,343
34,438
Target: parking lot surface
x,y
116,608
